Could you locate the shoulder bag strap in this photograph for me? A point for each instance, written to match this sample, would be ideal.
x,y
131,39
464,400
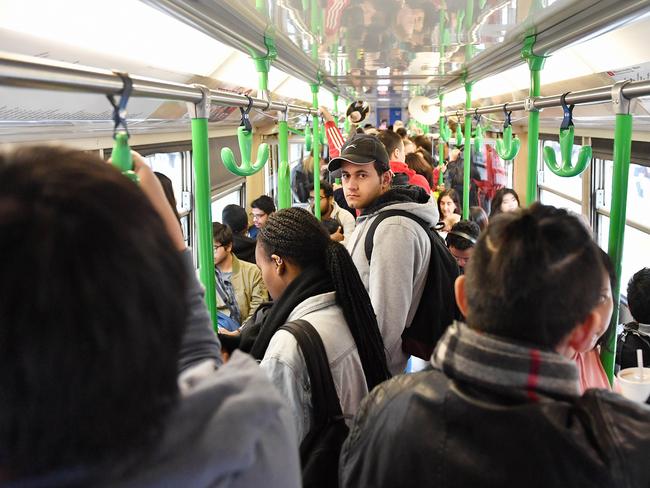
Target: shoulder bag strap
x,y
370,235
324,399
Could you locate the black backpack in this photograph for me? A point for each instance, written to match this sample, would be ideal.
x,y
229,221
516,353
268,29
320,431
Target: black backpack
x,y
321,448
628,342
437,308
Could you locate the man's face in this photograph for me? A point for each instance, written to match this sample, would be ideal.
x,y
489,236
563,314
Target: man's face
x,y
462,256
324,202
259,217
362,184
221,252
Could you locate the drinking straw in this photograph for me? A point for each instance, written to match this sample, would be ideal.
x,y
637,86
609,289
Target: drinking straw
x,y
639,362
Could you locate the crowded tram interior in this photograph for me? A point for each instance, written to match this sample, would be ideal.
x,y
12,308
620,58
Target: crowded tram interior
x,y
323,243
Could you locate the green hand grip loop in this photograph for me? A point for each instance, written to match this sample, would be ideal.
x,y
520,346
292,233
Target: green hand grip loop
x,y
478,138
508,147
445,131
309,139
567,169
481,4
245,138
459,135
459,24
121,156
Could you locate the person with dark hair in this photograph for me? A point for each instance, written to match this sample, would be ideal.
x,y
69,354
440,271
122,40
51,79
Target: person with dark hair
x,y
395,149
401,131
313,278
505,200
168,188
478,215
239,286
501,391
424,143
416,162
636,334
329,210
234,216
396,273
100,309
455,175
261,208
461,240
449,208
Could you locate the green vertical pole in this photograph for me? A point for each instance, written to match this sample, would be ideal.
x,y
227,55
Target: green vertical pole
x,y
316,148
467,153
535,65
284,176
202,204
441,143
622,150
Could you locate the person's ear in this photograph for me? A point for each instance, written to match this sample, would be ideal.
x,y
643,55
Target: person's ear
x,y
386,178
461,298
584,335
280,266
229,248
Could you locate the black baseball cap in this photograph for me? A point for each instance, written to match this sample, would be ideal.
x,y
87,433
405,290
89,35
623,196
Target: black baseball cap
x,y
361,149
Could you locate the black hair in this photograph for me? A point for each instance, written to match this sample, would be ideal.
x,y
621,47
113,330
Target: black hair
x,y
221,233
478,215
401,131
424,142
327,188
453,194
427,157
331,225
534,275
91,314
264,203
168,188
495,206
390,140
463,235
638,296
296,235
234,216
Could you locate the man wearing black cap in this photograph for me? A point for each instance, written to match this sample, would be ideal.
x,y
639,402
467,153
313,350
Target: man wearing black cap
x,y
397,271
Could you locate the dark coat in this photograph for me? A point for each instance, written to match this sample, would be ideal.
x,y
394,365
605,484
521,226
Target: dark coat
x,y
244,248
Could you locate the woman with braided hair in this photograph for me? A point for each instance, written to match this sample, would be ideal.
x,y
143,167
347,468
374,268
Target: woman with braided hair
x,y
311,277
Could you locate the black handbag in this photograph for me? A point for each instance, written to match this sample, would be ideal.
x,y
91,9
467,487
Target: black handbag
x,y
321,448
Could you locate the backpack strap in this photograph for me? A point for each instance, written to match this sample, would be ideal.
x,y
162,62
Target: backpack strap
x,y
370,235
324,399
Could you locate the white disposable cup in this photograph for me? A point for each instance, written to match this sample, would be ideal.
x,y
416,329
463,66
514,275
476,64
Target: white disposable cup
x,y
633,387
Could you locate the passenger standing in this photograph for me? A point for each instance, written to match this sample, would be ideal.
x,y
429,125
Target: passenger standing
x,y
312,278
502,405
261,208
396,275
329,209
505,200
636,335
99,310
395,149
239,286
449,208
234,216
461,240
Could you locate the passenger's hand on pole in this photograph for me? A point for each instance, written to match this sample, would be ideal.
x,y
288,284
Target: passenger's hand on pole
x,y
327,116
152,188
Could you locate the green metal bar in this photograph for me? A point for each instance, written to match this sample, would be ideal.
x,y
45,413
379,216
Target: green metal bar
x,y
535,65
622,151
202,204
284,176
441,145
467,153
316,148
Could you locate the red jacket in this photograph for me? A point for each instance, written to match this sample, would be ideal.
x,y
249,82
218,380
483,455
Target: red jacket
x,y
334,139
414,178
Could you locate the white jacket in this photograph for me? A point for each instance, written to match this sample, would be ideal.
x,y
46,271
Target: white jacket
x,y
284,363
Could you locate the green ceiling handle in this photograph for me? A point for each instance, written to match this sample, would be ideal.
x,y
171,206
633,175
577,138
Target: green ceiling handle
x,y
508,147
567,169
121,156
245,139
309,139
459,134
459,24
481,4
478,133
445,131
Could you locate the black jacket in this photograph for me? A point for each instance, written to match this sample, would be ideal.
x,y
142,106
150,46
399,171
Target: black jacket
x,y
426,430
244,247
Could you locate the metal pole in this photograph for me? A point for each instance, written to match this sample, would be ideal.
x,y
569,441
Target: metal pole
x,y
284,176
622,152
441,145
316,148
467,154
202,203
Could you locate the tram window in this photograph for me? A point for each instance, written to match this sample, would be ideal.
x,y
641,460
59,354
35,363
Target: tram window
x,y
638,192
568,186
233,195
635,249
171,165
550,198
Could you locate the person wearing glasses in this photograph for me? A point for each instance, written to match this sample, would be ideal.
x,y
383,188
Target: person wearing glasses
x,y
261,208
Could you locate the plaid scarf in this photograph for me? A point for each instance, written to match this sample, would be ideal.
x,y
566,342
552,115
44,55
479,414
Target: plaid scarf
x,y
504,366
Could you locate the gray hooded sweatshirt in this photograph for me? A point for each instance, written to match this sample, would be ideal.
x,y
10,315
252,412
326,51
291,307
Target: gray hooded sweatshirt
x,y
397,273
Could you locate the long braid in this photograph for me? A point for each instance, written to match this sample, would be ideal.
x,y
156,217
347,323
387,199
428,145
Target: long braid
x,y
295,233
353,298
